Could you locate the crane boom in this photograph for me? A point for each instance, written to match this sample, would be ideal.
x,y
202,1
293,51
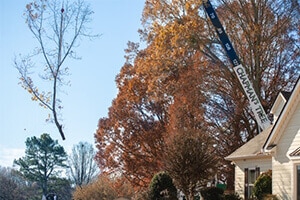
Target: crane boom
x,y
259,112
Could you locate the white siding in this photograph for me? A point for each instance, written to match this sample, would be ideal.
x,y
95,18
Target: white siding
x,y
286,135
283,166
264,164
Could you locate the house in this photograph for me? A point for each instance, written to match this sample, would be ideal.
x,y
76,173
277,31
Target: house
x,y
277,148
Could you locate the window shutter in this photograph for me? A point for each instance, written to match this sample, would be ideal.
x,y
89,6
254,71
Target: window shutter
x,y
246,183
257,172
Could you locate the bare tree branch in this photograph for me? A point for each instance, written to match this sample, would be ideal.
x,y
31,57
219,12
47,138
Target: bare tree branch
x,y
52,24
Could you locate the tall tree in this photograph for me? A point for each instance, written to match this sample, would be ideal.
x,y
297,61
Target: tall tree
x,y
82,166
183,77
176,26
190,153
43,160
264,35
130,139
58,26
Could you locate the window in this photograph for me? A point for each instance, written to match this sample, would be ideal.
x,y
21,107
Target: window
x,y
250,178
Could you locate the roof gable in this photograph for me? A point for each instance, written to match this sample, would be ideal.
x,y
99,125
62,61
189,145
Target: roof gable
x,y
283,118
252,148
264,141
278,105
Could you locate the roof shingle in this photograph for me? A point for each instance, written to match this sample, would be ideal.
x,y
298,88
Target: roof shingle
x,y
252,148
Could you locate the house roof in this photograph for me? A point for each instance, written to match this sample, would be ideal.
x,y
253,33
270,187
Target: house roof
x,y
252,148
283,115
262,142
286,94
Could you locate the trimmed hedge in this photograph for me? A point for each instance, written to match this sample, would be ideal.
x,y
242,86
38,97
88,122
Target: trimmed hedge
x,y
233,196
162,186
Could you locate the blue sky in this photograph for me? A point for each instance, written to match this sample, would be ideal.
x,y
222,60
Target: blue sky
x,y
92,78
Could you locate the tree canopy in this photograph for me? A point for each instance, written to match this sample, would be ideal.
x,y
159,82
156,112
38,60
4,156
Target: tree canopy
x,y
182,79
12,186
82,166
43,159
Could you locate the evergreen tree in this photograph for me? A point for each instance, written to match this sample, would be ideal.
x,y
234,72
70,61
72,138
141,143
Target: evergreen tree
x,y
42,161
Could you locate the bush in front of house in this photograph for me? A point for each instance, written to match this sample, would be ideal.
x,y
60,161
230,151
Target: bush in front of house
x,y
263,185
232,196
212,193
162,187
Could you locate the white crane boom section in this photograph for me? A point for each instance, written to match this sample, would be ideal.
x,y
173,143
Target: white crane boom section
x,y
259,112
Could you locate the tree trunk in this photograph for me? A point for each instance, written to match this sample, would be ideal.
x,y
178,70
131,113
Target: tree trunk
x,y
191,193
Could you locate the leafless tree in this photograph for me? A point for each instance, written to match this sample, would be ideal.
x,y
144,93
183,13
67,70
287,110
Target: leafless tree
x,y
58,26
83,167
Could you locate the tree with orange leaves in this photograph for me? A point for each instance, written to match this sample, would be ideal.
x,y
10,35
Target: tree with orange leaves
x,y
184,79
130,139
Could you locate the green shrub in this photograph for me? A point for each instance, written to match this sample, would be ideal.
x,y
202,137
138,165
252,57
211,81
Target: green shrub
x,y
162,187
263,185
232,196
212,193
